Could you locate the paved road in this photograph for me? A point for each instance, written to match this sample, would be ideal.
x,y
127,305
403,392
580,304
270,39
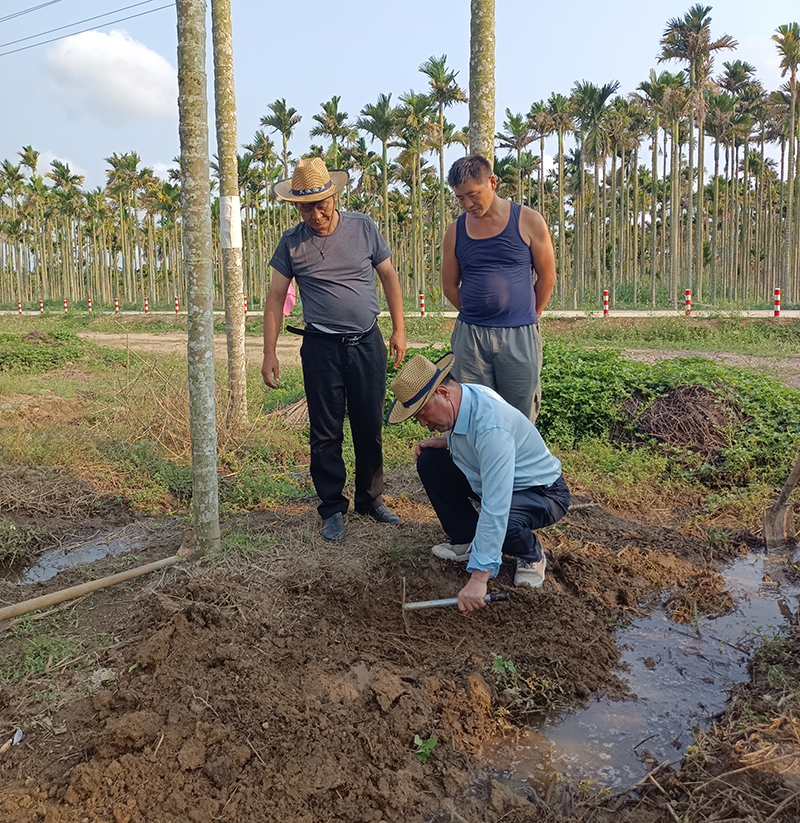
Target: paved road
x,y
555,313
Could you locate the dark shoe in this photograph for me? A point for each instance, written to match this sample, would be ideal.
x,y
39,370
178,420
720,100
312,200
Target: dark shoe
x,y
383,515
333,528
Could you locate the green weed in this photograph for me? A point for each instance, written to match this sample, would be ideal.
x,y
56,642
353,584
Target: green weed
x,y
423,748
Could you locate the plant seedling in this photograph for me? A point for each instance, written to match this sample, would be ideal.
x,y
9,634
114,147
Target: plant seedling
x,y
423,748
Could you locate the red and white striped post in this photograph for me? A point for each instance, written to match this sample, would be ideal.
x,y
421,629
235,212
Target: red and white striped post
x,y
687,301
41,307
146,306
19,307
422,305
605,302
777,303
245,307
65,307
90,305
177,309
116,305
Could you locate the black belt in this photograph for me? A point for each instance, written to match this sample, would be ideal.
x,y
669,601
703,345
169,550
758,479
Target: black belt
x,y
346,339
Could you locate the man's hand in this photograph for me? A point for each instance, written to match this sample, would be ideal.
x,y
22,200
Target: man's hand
x,y
470,598
397,347
270,370
430,443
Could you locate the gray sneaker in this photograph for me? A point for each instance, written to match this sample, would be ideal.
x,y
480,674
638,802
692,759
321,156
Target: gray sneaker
x,y
459,552
530,574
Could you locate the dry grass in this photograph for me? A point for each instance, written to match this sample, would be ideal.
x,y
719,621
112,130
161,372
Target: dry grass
x,y
34,491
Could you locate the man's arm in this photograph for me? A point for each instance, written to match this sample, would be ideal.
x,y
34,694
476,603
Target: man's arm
x,y
451,274
273,317
544,258
394,300
496,453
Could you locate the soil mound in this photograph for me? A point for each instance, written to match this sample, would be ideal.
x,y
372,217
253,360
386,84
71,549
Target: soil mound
x,y
687,417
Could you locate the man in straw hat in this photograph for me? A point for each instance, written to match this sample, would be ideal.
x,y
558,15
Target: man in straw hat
x,y
334,256
488,452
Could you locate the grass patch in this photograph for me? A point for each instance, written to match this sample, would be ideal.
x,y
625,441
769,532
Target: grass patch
x,y
36,352
18,544
35,654
586,393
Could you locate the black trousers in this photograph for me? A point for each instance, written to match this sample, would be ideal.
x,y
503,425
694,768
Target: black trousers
x,y
344,377
451,494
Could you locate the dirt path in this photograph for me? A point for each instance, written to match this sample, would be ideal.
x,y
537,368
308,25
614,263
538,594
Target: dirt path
x,y
786,369
175,343
783,368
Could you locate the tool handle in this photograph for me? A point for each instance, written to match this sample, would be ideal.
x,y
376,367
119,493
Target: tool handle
x,y
453,601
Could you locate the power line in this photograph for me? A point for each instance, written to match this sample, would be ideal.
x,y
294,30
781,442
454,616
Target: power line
x,y
76,23
28,10
91,28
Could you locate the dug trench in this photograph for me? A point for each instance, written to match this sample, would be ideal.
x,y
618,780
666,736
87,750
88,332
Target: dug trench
x,y
281,681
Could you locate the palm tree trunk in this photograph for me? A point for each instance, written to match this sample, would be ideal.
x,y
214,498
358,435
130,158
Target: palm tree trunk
x,y
481,79
699,229
196,220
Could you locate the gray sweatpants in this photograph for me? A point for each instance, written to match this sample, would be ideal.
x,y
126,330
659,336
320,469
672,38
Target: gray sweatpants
x,y
506,360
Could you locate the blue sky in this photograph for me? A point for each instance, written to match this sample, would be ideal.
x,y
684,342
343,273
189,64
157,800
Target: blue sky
x,y
82,98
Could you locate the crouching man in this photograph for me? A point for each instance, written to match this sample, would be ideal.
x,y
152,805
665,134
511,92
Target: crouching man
x,y
488,452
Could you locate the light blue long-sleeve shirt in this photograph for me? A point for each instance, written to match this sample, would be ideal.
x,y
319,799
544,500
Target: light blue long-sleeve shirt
x,y
500,451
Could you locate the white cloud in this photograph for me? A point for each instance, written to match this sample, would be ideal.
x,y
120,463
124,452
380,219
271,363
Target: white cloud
x,y
114,76
161,170
46,157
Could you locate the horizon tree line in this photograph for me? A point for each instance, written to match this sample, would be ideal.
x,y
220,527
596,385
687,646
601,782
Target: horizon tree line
x,y
628,202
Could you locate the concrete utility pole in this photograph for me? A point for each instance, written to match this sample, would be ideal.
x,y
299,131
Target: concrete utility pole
x,y
230,212
481,79
196,220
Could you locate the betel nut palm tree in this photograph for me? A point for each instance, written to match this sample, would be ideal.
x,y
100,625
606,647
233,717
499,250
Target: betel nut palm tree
x,y
331,123
379,120
688,39
516,135
444,92
196,219
787,42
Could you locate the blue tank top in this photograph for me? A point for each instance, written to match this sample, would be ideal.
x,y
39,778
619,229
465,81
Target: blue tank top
x,y
496,276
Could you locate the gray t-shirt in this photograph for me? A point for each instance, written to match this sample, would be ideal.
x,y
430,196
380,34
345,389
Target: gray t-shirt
x,y
335,272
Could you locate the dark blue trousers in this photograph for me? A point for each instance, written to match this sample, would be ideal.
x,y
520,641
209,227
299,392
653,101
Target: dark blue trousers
x,y
451,497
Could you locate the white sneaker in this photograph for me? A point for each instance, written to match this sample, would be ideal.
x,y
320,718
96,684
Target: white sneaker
x,y
530,574
459,552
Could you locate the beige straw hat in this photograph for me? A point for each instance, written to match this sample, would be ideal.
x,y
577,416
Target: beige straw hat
x,y
310,182
415,383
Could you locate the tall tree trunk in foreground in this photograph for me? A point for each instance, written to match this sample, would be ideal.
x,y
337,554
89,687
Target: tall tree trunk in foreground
x,y
196,218
230,214
481,79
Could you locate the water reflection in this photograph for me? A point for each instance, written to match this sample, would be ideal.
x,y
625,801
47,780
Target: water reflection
x,y
679,677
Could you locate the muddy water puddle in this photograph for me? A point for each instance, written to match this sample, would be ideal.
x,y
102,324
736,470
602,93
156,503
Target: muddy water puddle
x,y
106,543
679,677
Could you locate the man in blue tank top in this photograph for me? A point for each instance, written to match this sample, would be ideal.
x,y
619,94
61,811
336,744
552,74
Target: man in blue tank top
x,y
490,255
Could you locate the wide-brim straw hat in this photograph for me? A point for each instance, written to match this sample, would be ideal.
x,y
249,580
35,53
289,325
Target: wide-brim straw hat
x,y
415,383
310,182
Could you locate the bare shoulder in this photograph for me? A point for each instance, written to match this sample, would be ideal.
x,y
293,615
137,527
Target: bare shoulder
x,y
531,224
